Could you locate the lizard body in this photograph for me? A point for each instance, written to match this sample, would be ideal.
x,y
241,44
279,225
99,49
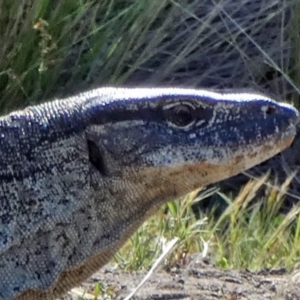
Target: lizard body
x,y
79,175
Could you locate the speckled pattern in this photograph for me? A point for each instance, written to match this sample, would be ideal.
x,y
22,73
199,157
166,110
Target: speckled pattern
x,y
79,175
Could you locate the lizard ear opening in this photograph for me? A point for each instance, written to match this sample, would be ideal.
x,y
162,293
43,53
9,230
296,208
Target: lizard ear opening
x,y
96,158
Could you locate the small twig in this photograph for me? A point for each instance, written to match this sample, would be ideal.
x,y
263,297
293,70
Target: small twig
x,y
167,249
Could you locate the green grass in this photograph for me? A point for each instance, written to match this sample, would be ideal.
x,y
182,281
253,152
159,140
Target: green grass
x,y
55,48
251,233
175,219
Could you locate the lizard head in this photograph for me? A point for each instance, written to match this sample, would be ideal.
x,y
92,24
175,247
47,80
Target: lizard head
x,y
90,169
98,164
176,140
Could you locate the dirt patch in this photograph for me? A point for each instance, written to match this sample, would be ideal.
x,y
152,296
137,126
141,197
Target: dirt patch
x,y
198,280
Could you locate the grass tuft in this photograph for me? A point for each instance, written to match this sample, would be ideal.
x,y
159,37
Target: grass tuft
x,y
251,233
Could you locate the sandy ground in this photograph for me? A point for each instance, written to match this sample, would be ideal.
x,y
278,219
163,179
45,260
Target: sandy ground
x,y
197,280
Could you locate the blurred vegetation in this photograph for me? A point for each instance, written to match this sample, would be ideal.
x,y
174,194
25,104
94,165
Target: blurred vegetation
x,y
53,48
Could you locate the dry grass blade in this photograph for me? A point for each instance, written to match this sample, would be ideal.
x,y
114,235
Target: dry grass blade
x,y
167,250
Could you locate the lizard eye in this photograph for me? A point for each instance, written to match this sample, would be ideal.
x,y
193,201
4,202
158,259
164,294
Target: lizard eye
x,y
181,115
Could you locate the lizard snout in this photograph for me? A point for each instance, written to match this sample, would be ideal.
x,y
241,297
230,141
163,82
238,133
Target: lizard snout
x,y
286,110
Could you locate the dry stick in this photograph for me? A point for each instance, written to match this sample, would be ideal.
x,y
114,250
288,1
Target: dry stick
x,y
168,248
81,293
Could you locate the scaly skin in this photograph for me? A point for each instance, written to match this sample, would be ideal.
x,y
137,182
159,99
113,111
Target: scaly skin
x,y
78,176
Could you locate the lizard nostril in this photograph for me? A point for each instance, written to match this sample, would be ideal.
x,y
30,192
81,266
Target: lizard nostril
x,y
270,109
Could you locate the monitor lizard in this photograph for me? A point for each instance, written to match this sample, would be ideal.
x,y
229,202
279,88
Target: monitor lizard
x,y
79,175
